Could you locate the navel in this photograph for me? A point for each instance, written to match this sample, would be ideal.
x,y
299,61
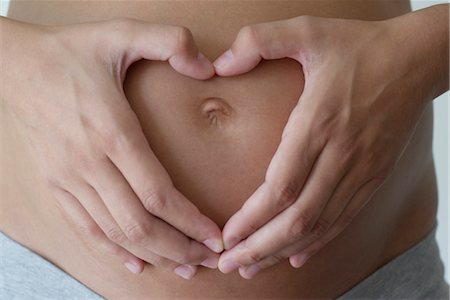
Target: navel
x,y
216,111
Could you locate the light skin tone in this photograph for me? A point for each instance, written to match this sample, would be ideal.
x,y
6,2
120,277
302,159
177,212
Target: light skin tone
x,y
90,146
112,188
366,86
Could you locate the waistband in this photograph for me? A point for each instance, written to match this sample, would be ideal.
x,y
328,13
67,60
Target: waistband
x,y
25,275
417,273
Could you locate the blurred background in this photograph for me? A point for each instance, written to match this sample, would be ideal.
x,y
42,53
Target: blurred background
x,y
440,150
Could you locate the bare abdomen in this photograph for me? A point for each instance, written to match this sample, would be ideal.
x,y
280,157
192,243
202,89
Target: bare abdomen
x,y
216,139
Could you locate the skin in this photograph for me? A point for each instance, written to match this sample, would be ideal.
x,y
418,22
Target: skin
x,y
105,157
205,276
350,124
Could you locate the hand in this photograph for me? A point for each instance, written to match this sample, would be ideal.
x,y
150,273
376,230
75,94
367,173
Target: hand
x,y
64,83
364,93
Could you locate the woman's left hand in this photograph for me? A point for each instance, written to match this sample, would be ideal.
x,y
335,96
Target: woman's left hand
x,y
366,86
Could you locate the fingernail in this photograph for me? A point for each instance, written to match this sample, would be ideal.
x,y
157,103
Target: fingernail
x,y
185,271
132,267
251,271
214,244
224,59
228,266
231,242
211,262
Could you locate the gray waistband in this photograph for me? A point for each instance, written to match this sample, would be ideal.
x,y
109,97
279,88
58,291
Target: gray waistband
x,y
417,273
25,275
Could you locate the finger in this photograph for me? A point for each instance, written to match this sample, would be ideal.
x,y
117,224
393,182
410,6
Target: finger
x,y
137,163
248,272
107,224
135,40
345,191
78,217
294,223
354,206
95,207
271,40
132,155
343,194
285,177
140,227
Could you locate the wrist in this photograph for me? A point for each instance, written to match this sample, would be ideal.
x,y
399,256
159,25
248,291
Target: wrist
x,y
422,37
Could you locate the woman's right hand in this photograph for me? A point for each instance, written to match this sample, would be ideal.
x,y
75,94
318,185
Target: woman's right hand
x,y
65,85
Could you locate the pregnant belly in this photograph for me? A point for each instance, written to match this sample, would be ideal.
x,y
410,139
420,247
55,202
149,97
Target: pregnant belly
x,y
215,137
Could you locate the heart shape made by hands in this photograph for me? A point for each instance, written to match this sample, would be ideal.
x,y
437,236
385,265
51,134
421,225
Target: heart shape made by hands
x,y
215,137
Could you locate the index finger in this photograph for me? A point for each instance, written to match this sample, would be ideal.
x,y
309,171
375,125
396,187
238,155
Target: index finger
x,y
285,177
132,155
128,148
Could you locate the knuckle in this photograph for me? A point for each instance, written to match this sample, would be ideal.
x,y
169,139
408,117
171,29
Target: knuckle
x,y
300,227
252,255
111,138
271,260
154,201
81,160
308,27
253,227
184,258
320,228
322,127
52,182
369,163
284,194
249,34
116,235
348,151
276,258
372,155
116,139
136,233
115,131
190,254
183,38
113,31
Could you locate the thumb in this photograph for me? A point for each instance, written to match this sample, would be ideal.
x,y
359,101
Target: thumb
x,y
196,66
272,40
133,40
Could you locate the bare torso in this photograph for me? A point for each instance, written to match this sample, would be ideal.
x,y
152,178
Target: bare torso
x,y
216,138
